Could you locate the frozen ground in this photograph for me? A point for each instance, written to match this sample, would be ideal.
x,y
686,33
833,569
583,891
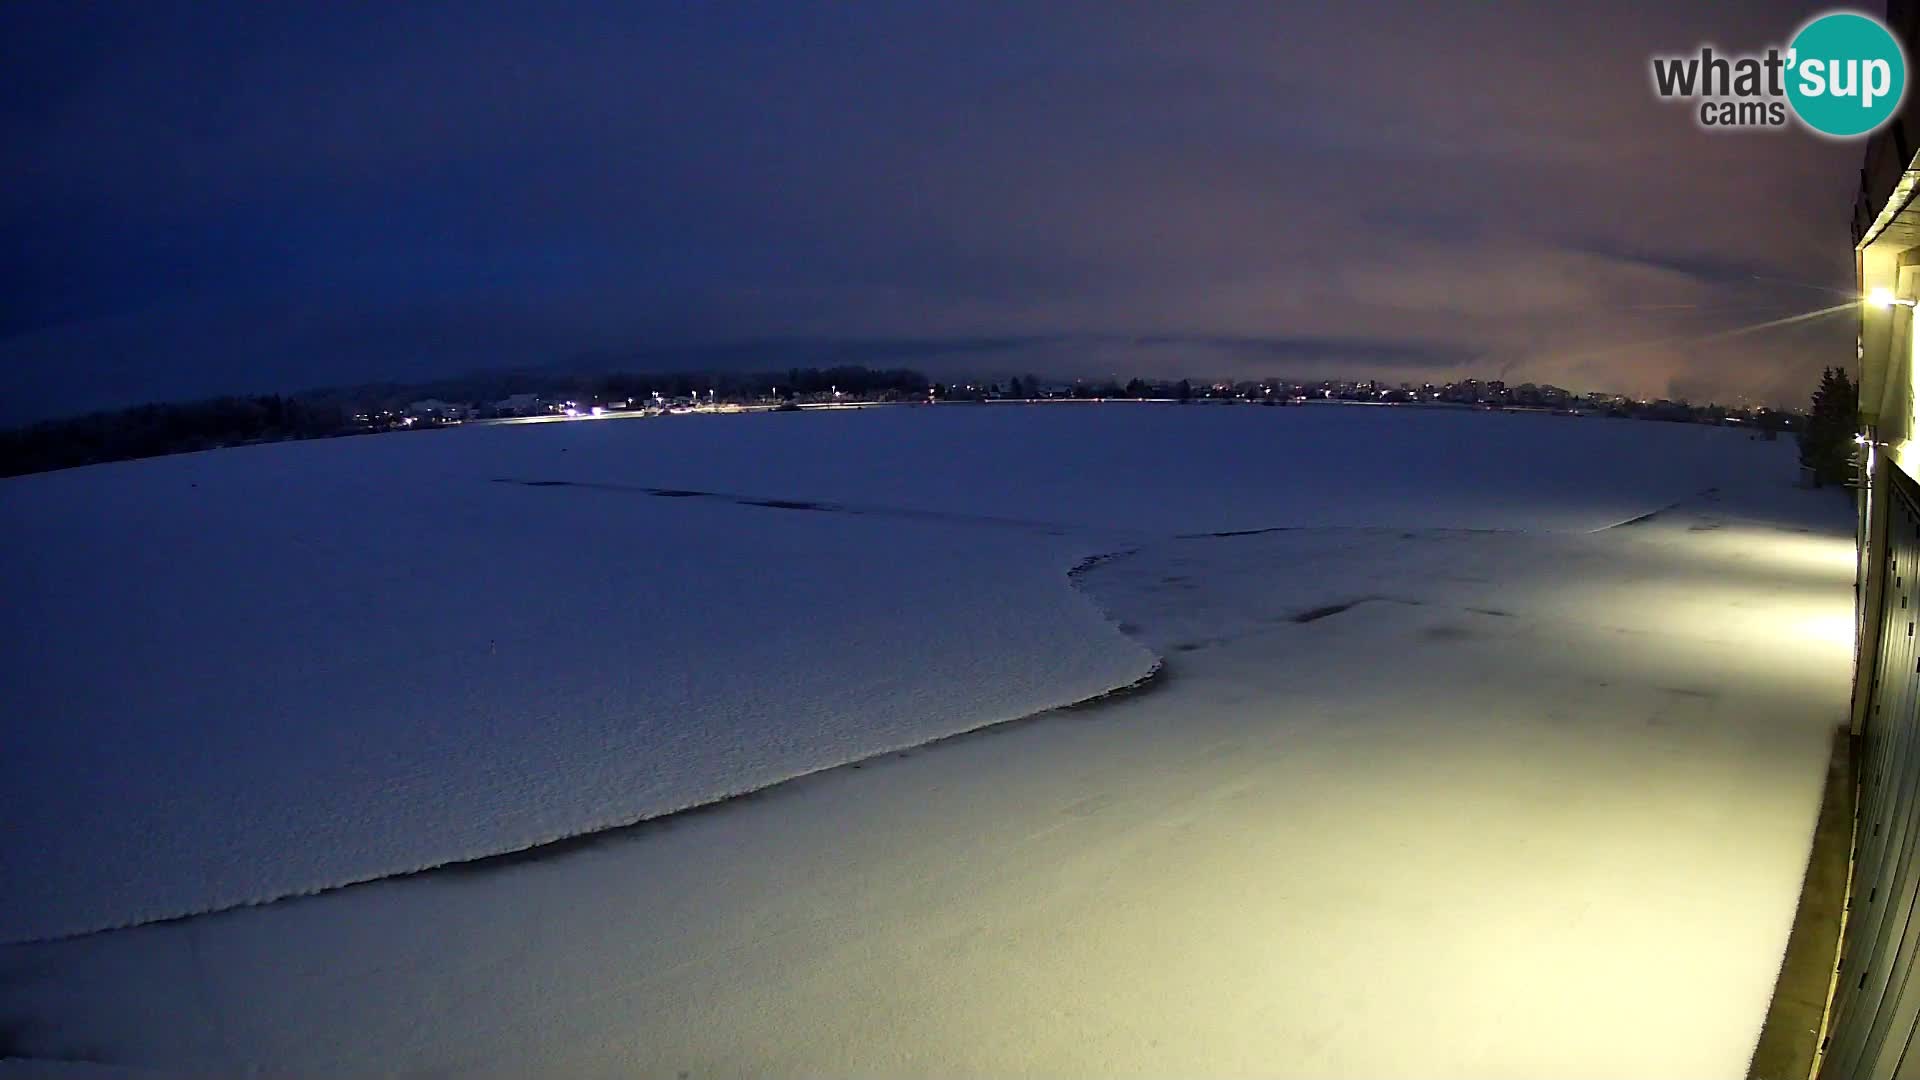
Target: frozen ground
x,y
243,675
1415,796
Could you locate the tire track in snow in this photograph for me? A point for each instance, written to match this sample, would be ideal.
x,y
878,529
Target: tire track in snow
x,y
1050,528
559,846
1155,677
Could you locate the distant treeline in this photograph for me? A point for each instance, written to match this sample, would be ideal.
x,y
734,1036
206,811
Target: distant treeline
x,y
483,388
738,386
153,430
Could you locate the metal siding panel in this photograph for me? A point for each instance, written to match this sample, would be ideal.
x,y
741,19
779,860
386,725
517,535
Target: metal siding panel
x,y
1894,1014
1876,1008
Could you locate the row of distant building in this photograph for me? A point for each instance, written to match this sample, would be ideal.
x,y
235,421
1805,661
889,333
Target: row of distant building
x,y
1473,393
1487,394
437,411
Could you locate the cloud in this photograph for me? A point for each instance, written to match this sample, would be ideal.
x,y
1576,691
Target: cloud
x,y
256,196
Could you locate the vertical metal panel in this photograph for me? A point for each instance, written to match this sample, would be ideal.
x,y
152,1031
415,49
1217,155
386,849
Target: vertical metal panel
x,y
1876,1007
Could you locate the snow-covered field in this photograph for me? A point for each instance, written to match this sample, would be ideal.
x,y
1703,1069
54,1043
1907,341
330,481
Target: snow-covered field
x,y
1439,780
244,675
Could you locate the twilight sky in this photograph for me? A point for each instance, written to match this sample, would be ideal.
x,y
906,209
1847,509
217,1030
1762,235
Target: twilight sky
x,y
205,197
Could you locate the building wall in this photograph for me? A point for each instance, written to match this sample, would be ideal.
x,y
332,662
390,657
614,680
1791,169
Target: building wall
x,y
1888,251
1875,1013
1886,235
1897,386
1874,1022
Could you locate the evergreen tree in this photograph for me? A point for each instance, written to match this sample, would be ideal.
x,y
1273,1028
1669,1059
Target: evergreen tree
x,y
1826,443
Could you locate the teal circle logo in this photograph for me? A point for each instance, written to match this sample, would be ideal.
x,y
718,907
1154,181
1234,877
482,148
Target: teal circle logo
x,y
1846,74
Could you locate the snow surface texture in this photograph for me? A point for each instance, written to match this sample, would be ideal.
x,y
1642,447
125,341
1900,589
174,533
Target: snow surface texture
x,y
1501,805
248,674
1411,800
235,680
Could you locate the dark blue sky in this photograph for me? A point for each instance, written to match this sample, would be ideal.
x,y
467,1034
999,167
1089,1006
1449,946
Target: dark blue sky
x,y
214,197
